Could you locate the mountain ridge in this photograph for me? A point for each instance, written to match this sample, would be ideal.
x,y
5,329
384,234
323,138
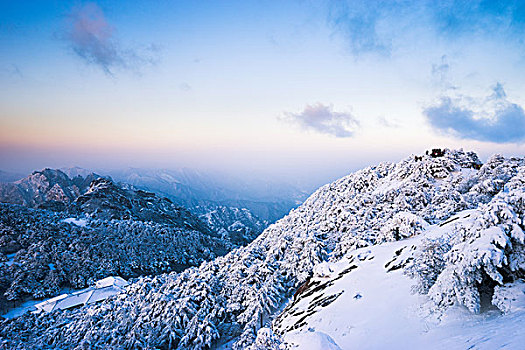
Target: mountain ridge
x,y
234,296
80,191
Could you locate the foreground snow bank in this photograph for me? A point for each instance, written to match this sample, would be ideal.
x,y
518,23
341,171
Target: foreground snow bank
x,y
366,300
311,341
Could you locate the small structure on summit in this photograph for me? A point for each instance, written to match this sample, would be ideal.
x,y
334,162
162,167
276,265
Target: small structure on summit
x,y
436,152
102,290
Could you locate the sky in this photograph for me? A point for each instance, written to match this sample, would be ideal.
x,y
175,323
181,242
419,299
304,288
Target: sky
x,y
295,90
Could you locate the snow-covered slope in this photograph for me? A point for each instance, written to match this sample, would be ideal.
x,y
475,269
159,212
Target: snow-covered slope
x,y
230,298
366,300
42,252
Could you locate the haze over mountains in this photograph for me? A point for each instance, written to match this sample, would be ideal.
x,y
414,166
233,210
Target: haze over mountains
x,y
448,225
100,197
6,176
267,199
220,200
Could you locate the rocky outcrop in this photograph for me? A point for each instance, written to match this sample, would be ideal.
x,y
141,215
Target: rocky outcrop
x,y
48,188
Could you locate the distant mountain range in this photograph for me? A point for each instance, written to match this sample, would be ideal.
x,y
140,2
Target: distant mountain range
x,y
237,208
46,188
265,199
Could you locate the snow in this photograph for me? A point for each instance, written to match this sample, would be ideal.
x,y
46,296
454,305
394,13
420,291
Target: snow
x,y
102,290
102,294
381,312
111,281
48,305
323,270
376,309
463,330
75,221
29,305
311,341
71,300
354,256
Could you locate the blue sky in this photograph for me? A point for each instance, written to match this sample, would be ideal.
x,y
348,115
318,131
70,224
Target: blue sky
x,y
287,89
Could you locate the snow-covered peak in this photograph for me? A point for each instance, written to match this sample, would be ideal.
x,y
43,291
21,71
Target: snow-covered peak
x,y
47,188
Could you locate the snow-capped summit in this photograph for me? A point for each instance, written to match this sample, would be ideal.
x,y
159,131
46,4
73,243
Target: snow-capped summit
x,y
451,224
48,188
